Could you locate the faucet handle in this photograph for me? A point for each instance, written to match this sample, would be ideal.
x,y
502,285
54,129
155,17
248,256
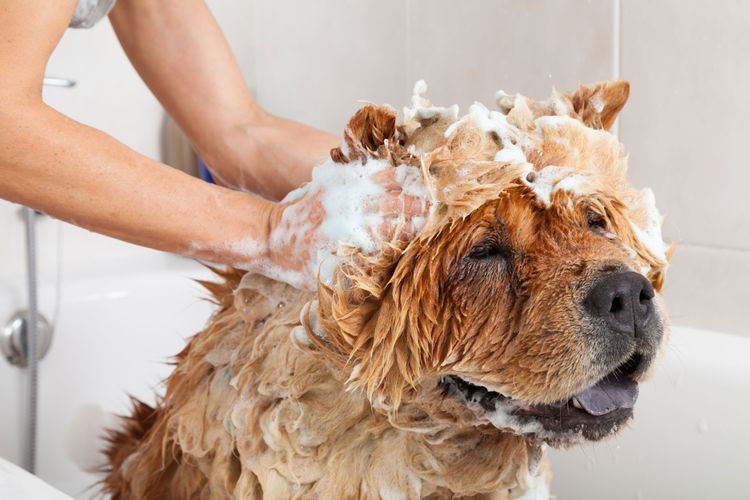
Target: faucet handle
x,y
53,81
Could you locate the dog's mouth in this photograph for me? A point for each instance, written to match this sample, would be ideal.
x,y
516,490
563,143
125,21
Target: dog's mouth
x,y
591,414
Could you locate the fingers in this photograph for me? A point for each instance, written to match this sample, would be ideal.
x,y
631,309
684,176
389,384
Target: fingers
x,y
386,178
403,216
414,206
397,230
400,203
396,205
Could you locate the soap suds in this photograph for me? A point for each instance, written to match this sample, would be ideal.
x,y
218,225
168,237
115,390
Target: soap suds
x,y
560,107
503,418
338,212
552,178
536,488
422,110
494,122
350,218
346,215
650,235
597,102
299,335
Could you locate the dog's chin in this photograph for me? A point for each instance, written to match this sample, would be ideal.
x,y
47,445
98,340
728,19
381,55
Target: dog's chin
x,y
595,413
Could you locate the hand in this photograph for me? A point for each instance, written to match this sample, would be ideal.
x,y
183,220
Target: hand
x,y
355,207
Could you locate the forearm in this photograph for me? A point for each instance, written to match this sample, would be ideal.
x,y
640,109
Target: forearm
x,y
179,50
83,176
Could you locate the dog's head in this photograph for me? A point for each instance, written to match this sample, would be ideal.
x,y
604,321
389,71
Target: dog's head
x,y
530,299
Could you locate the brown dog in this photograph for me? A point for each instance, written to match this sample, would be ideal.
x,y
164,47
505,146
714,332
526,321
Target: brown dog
x,y
523,313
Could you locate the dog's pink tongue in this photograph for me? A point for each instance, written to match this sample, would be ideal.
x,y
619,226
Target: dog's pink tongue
x,y
608,395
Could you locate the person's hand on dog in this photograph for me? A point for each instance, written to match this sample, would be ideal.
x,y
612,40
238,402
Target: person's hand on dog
x,y
361,209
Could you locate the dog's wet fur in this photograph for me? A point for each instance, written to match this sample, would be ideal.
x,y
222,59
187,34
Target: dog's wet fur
x,y
439,367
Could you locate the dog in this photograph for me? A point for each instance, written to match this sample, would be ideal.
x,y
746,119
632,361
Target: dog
x,y
523,314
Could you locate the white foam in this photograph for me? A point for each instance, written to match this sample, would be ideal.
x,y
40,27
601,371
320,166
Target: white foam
x,y
504,101
411,181
597,102
420,89
421,109
650,235
536,488
553,178
300,335
350,197
494,122
553,122
249,247
503,418
559,106
550,121
577,184
387,492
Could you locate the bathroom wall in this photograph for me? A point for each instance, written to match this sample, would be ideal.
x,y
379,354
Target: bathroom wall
x,y
315,61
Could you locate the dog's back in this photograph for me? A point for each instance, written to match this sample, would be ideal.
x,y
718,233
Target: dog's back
x,y
145,456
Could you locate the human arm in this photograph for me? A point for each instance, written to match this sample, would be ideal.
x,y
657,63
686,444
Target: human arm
x,y
81,175
180,52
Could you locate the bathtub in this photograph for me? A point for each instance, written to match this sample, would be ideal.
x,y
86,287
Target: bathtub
x,y
121,316
123,311
689,439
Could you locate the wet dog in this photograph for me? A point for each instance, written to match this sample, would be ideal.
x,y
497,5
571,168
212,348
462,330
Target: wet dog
x,y
525,312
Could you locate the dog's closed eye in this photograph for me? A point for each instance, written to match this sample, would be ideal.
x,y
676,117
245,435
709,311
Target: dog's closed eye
x,y
488,250
596,221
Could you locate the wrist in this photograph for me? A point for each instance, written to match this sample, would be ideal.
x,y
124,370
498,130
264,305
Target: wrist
x,y
274,214
241,229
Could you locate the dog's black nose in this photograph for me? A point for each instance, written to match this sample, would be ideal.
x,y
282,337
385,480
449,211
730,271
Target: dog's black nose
x,y
623,300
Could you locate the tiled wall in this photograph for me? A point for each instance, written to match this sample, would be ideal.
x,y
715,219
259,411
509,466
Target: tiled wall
x,y
687,131
684,126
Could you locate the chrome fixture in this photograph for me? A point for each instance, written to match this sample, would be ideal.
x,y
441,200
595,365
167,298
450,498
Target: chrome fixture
x,y
51,81
27,338
14,338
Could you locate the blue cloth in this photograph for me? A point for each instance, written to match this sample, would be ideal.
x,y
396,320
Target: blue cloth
x,y
204,173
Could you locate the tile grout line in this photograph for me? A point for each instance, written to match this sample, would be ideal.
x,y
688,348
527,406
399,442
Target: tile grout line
x,y
703,246
256,82
616,27
407,49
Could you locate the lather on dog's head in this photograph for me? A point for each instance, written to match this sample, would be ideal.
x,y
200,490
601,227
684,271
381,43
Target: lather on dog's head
x,y
530,300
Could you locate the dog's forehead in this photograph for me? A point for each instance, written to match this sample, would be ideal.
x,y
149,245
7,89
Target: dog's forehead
x,y
540,147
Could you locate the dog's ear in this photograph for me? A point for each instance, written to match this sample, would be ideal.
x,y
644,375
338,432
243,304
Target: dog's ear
x,y
370,129
599,104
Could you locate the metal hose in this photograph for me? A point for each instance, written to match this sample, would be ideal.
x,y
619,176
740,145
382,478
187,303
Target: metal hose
x,y
32,342
32,321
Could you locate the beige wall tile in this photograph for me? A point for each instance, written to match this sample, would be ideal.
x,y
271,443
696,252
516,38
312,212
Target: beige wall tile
x,y
12,245
315,60
468,50
235,17
109,95
709,288
686,123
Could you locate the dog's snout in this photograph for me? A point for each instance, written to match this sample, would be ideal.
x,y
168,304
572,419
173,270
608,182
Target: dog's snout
x,y
624,301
